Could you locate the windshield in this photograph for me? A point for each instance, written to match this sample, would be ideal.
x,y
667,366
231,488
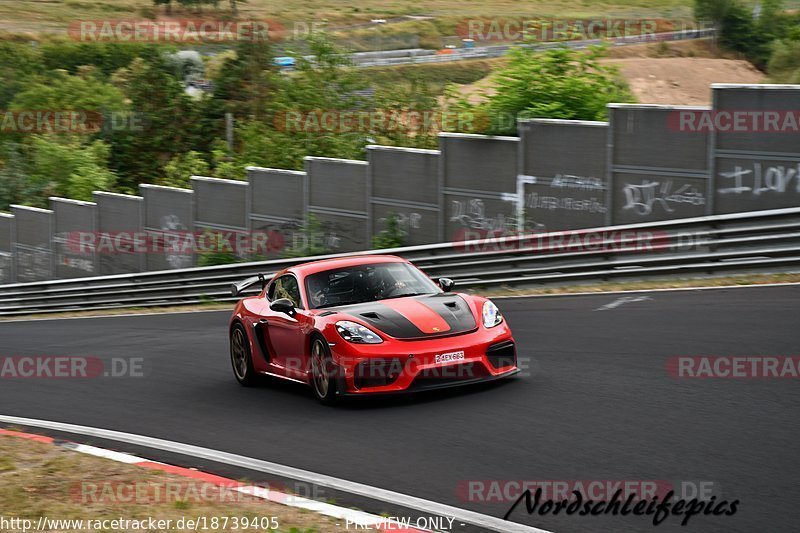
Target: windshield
x,y
366,283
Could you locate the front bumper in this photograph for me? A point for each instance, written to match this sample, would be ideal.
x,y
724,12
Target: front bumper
x,y
428,387
407,366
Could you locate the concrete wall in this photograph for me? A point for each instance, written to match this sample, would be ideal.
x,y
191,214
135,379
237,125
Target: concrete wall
x,y
647,163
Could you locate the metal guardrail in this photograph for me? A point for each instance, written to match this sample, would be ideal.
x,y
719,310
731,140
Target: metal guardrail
x,y
416,55
741,242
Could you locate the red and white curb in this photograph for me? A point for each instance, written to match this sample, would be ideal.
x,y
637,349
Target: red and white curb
x,y
358,519
462,517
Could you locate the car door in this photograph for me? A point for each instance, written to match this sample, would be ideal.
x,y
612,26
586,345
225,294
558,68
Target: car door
x,y
285,333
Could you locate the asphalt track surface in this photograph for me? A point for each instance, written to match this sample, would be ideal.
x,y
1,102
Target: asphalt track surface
x,y
596,403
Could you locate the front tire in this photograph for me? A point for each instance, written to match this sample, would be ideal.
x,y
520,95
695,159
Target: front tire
x,y
241,359
323,375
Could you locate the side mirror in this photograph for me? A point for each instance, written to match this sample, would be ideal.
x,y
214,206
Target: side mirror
x,y
446,284
283,305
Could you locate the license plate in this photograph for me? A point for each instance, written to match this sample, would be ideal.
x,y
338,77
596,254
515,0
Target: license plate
x,y
449,357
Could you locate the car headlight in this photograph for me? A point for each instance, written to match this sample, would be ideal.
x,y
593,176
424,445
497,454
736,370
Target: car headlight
x,y
352,332
491,315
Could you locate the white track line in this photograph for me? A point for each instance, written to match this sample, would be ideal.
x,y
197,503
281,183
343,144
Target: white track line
x,y
461,515
360,518
106,454
635,291
622,301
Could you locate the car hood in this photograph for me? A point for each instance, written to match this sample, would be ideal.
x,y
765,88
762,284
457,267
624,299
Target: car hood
x,y
415,317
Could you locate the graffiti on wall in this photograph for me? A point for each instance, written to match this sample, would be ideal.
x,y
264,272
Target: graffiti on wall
x,y
650,196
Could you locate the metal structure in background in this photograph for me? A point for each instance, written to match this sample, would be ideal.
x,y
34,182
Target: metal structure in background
x,y
33,243
119,220
336,195
764,241
657,171
756,171
562,182
74,235
275,206
404,183
220,206
168,224
648,163
6,248
479,183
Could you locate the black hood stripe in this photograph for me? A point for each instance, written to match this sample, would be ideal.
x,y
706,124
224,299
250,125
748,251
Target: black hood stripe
x,y
451,307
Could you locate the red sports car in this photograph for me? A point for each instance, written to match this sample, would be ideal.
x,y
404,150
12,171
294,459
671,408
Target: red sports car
x,y
367,325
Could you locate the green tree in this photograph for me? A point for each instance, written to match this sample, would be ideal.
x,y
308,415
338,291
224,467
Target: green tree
x,y
66,166
61,91
243,83
784,63
325,83
52,165
714,11
19,64
559,83
16,186
87,177
182,167
739,31
107,57
170,123
225,166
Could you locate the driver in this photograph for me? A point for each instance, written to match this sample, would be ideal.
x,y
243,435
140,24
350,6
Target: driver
x,y
316,291
386,284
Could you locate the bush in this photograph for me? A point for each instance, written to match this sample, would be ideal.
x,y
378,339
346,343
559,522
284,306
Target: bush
x,y
392,236
106,56
312,237
739,31
559,83
218,254
460,72
784,63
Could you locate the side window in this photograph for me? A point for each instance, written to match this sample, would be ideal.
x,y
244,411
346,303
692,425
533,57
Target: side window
x,y
285,287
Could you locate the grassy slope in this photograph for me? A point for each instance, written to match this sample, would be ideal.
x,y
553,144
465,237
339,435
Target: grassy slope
x,y
38,479
23,16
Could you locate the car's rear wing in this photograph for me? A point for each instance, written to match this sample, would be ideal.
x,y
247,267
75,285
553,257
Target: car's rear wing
x,y
238,288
